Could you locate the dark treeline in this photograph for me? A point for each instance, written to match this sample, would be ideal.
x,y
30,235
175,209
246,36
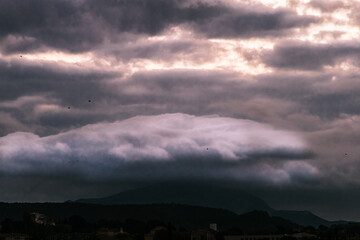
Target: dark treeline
x,y
136,229
90,221
189,217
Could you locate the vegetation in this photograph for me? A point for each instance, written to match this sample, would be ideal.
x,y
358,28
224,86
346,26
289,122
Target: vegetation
x,y
91,221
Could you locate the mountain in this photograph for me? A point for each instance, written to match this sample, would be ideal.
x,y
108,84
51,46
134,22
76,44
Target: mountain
x,y
207,196
304,218
191,194
190,217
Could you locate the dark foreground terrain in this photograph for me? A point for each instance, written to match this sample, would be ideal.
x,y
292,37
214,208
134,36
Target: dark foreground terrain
x,y
190,217
155,221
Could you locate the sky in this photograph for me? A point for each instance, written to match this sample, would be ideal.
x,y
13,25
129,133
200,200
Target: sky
x,y
263,95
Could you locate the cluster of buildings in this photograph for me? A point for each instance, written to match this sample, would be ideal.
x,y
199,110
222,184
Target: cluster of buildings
x,y
213,234
157,233
41,219
14,236
295,236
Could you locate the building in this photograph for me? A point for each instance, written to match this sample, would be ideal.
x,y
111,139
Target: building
x,y
254,237
41,219
303,235
203,234
213,226
109,234
157,233
14,236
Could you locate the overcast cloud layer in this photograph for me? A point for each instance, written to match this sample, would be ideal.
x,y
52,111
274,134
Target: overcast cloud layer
x,y
99,96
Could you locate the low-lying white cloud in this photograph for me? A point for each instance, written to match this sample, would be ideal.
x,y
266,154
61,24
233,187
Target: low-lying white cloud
x,y
148,139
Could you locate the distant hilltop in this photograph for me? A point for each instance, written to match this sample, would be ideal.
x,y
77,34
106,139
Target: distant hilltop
x,y
188,193
207,196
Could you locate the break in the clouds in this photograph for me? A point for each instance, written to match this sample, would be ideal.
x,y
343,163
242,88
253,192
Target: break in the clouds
x,y
98,95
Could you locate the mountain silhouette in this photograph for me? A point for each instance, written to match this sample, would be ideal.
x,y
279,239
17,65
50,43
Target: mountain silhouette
x,y
190,194
304,218
196,194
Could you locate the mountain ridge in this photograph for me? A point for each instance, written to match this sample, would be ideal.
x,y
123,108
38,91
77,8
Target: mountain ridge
x,y
192,194
203,195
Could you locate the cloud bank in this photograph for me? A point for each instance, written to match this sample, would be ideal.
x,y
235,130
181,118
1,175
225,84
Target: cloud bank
x,y
100,150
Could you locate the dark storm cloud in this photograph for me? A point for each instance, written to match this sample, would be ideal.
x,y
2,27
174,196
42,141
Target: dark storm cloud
x,y
271,97
213,20
310,103
308,56
23,79
340,148
334,195
179,86
9,124
82,25
168,51
38,96
17,44
150,17
59,24
326,96
246,24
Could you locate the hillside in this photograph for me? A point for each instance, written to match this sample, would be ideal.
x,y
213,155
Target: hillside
x,y
207,196
191,194
304,218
